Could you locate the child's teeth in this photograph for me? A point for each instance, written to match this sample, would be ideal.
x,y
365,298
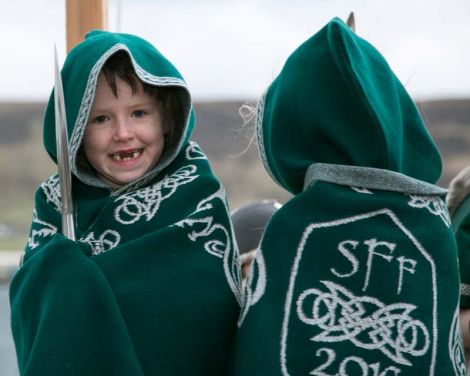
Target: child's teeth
x,y
126,156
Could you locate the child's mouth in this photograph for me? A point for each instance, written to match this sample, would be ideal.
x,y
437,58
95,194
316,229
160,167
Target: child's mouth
x,y
126,155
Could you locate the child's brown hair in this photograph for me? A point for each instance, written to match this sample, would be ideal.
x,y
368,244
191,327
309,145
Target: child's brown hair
x,y
119,65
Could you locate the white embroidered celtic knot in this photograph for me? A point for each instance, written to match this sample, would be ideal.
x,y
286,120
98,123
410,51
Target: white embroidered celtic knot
x,y
145,202
193,151
40,229
365,321
109,239
217,239
341,308
432,204
51,188
215,247
204,226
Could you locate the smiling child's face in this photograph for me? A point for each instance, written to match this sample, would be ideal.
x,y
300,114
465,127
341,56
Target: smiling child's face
x,y
124,136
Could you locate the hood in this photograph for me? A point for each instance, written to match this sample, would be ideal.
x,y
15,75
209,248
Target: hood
x,y
337,101
79,76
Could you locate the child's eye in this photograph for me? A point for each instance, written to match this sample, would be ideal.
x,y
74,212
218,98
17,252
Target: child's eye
x,y
100,119
139,113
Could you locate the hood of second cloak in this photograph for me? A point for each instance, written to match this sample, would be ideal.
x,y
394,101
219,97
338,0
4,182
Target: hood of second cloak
x,y
337,101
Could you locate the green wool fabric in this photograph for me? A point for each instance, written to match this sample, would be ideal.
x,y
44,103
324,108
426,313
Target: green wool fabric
x,y
152,284
357,274
461,227
338,91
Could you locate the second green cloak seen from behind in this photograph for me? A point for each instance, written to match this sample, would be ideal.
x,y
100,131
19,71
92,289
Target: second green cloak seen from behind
x,y
357,274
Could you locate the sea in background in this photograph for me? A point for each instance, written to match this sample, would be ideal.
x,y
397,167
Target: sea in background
x,y
8,365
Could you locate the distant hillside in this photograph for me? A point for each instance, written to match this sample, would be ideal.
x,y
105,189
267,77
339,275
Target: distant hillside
x,y
17,121
448,122
446,111
219,131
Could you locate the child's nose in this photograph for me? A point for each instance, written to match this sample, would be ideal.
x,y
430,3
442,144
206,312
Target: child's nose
x,y
123,130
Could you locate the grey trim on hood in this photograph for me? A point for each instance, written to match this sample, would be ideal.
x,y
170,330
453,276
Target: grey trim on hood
x,y
368,177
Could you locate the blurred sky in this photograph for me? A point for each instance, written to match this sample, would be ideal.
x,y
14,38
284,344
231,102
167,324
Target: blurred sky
x,y
229,49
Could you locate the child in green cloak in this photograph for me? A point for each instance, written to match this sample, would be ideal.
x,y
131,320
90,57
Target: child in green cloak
x,y
357,274
152,284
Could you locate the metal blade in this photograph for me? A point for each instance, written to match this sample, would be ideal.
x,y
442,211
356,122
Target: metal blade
x,y
351,22
63,164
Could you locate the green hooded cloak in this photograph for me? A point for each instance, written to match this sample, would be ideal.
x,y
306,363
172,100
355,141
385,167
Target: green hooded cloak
x,y
152,285
357,274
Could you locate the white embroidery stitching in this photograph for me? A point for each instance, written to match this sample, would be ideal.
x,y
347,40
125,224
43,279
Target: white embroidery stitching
x,y
365,321
456,352
295,268
218,248
145,202
51,188
193,151
46,230
433,204
377,368
109,239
